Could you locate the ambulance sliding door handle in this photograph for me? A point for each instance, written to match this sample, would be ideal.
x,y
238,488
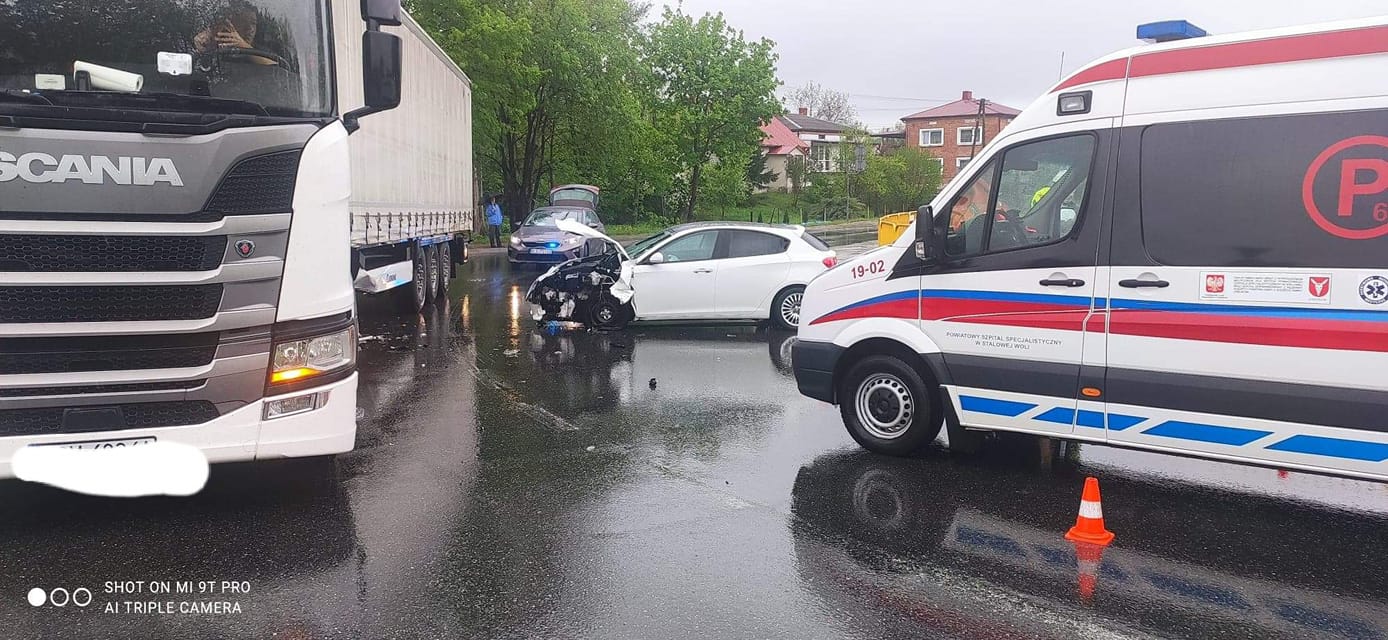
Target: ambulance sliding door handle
x,y
1062,282
1135,283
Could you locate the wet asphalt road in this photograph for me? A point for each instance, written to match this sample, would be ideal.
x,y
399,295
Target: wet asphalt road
x,y
511,483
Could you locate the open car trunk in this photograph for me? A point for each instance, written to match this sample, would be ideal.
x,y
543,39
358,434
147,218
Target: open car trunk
x,y
575,195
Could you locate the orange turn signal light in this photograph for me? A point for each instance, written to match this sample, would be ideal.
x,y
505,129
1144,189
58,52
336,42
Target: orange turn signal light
x,y
1091,392
292,374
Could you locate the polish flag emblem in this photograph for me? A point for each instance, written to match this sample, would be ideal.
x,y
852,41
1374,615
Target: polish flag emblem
x,y
1214,284
1320,287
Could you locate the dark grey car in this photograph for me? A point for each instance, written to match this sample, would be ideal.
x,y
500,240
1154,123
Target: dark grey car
x,y
539,240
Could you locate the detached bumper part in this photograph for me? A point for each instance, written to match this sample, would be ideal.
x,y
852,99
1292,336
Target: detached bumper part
x,y
814,363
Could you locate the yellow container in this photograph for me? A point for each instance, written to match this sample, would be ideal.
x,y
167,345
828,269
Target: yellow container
x,y
890,227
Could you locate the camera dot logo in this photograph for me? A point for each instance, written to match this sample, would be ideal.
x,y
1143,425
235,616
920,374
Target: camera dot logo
x,y
37,597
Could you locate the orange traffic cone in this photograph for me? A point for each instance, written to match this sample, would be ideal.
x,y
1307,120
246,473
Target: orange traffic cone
x,y
1087,559
1089,526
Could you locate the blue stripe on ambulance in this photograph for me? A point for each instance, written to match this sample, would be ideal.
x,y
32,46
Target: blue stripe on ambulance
x,y
1182,430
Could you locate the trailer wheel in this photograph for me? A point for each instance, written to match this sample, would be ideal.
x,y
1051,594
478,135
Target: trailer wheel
x,y
445,268
413,297
431,264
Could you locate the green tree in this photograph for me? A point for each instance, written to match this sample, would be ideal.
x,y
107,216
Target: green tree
x,y
712,89
758,174
903,180
725,185
555,87
797,173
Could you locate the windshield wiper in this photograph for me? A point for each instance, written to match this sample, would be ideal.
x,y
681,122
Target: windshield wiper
x,y
219,105
16,95
155,102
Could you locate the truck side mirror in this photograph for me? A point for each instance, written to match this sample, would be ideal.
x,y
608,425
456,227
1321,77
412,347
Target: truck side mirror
x,y
381,58
930,243
385,12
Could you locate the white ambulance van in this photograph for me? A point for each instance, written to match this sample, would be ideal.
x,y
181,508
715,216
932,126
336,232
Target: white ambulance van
x,y
1182,247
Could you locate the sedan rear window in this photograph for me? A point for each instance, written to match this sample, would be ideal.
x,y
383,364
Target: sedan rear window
x,y
743,244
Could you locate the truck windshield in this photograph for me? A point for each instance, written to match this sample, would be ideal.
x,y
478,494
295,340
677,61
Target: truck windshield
x,y
265,57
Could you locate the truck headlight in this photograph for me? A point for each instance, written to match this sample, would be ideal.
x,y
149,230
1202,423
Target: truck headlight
x,y
305,358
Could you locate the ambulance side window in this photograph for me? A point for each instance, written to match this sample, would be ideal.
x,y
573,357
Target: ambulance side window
x,y
967,225
1296,191
1036,198
1041,192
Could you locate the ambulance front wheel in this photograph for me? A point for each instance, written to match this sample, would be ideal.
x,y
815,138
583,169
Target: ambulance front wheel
x,y
887,407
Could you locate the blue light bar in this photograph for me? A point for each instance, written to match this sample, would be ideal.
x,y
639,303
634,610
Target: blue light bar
x,y
1169,30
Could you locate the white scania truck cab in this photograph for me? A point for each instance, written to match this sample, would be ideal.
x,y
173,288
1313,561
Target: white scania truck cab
x,y
175,234
1183,247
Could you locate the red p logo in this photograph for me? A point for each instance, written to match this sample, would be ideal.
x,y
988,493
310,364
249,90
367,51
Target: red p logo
x,y
1343,178
1350,186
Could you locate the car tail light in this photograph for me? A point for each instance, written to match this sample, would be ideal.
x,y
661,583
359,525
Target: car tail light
x,y
830,261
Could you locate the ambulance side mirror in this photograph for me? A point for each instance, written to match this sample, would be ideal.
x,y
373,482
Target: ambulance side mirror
x,y
930,242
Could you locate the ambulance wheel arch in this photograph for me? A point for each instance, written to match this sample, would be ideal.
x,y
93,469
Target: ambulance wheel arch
x,y
889,400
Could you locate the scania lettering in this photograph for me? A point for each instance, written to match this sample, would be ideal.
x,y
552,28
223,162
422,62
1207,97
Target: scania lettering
x,y
185,223
95,170
1183,247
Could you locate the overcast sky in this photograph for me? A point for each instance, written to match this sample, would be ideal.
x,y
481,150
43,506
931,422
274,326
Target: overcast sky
x,y
896,57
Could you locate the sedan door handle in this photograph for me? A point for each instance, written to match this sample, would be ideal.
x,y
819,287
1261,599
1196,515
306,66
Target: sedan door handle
x,y
1133,283
1062,282
703,271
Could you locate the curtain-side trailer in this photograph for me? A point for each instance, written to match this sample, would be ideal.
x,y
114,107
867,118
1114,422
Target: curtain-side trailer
x,y
412,200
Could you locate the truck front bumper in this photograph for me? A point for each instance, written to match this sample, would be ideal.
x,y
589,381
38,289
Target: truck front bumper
x,y
240,435
814,364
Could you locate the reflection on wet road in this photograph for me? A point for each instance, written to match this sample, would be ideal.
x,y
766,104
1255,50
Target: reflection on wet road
x,y
512,482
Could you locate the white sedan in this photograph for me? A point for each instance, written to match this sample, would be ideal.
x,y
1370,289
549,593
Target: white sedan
x,y
726,271
699,271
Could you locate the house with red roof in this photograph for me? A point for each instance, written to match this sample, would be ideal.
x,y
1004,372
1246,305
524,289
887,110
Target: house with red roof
x,y
780,144
953,132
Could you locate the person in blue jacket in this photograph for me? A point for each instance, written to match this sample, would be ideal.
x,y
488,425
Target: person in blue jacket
x,y
493,222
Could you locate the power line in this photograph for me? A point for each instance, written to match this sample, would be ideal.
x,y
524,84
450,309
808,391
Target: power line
x,y
903,98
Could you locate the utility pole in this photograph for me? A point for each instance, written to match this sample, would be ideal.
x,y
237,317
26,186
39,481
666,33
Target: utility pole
x,y
979,122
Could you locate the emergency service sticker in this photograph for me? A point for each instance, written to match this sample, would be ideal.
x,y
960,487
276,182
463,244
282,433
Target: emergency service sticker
x,y
1273,287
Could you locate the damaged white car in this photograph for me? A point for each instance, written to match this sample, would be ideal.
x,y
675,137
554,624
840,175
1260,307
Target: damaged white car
x,y
702,271
594,289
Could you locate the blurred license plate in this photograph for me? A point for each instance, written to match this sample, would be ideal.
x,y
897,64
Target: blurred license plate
x,y
541,252
103,444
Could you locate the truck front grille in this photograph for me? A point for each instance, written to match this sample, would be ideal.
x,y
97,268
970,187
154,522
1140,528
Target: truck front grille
x,y
142,387
264,184
22,305
43,253
53,420
106,353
